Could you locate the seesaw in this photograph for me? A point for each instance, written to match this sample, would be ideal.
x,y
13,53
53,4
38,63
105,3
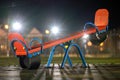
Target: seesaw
x,y
29,56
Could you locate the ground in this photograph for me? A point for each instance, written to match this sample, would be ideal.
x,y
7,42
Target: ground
x,y
98,69
77,72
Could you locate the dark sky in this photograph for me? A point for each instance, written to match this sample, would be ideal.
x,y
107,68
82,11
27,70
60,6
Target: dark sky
x,y
69,15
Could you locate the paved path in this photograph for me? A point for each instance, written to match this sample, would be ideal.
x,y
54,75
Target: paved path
x,y
77,72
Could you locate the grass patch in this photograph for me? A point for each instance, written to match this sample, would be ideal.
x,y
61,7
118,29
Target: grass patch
x,y
88,60
6,61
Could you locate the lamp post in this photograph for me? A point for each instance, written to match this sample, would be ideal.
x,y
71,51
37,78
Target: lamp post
x,y
16,26
46,38
47,34
7,49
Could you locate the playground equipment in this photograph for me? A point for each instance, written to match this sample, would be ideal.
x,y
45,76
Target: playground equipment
x,y
29,55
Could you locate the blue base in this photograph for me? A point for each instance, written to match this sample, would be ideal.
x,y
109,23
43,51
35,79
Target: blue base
x,y
66,56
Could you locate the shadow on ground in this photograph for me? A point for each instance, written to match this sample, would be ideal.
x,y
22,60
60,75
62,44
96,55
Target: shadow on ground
x,y
77,72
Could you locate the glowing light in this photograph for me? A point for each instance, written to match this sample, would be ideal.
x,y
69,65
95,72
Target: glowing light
x,y
85,36
47,31
66,46
3,47
6,26
16,26
55,30
89,43
101,44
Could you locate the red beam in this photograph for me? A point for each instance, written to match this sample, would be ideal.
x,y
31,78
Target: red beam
x,y
62,40
49,44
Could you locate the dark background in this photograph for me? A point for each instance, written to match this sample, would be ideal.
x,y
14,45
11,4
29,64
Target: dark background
x,y
69,15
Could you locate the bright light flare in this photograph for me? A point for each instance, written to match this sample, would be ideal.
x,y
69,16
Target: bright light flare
x,y
85,36
89,43
6,26
47,31
55,30
16,26
101,44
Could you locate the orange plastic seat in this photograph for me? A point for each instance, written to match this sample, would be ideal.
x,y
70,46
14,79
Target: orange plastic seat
x,y
101,18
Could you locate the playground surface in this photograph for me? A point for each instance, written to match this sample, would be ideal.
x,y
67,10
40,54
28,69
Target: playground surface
x,y
77,72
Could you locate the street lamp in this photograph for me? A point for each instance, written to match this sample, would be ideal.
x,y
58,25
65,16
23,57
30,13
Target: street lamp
x,y
46,38
47,32
89,43
7,28
16,26
55,30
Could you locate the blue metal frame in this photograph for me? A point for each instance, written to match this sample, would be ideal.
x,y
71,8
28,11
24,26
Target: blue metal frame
x,y
66,56
94,26
38,52
52,54
80,53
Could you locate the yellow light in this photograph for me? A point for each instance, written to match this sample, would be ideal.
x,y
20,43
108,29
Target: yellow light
x,y
66,46
101,44
47,31
6,26
89,43
2,46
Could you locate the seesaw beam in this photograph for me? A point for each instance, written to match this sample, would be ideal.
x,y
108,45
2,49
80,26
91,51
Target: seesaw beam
x,y
58,41
62,40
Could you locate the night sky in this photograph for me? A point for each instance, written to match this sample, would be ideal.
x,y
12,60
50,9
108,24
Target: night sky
x,y
69,15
